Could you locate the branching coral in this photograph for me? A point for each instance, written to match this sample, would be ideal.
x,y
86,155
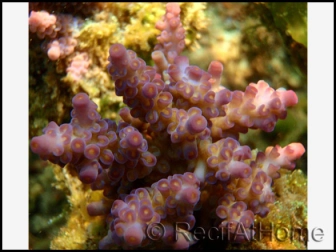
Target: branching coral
x,y
175,152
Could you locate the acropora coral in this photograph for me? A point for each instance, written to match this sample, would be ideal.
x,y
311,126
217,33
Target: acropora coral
x,y
173,163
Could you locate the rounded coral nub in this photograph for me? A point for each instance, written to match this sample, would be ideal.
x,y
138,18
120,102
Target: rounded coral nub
x,y
133,235
196,124
80,100
117,51
134,139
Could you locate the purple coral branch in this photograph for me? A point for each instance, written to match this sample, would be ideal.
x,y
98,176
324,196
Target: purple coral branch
x,y
179,137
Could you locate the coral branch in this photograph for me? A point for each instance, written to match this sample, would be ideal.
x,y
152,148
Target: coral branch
x,y
175,144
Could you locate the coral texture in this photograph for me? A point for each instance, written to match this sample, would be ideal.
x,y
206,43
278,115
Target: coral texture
x,y
176,144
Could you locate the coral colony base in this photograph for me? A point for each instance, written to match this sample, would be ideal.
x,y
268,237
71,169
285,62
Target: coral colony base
x,y
175,150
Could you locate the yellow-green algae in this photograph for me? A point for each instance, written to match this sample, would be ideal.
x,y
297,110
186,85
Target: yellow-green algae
x,y
81,231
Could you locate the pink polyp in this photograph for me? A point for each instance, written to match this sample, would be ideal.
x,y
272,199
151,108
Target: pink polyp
x,y
195,98
251,91
231,143
159,84
228,198
134,203
51,125
106,157
174,22
196,124
143,147
87,135
239,169
212,161
80,100
222,212
189,178
142,193
234,214
147,104
146,213
102,141
188,91
118,54
242,153
119,229
149,90
289,98
167,114
190,195
174,72
152,116
246,220
226,153
120,86
180,86
116,206
145,201
263,110
240,205
211,112
275,104
93,115
148,159
164,100
135,64
163,185
257,188
65,129
175,184
171,202
223,97
132,82
194,73
241,194
91,151
215,69
130,92
180,34
222,175
52,133
129,216
210,97
58,150
134,139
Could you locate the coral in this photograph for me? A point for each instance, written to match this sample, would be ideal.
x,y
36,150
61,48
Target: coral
x,y
174,156
43,24
79,66
90,28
